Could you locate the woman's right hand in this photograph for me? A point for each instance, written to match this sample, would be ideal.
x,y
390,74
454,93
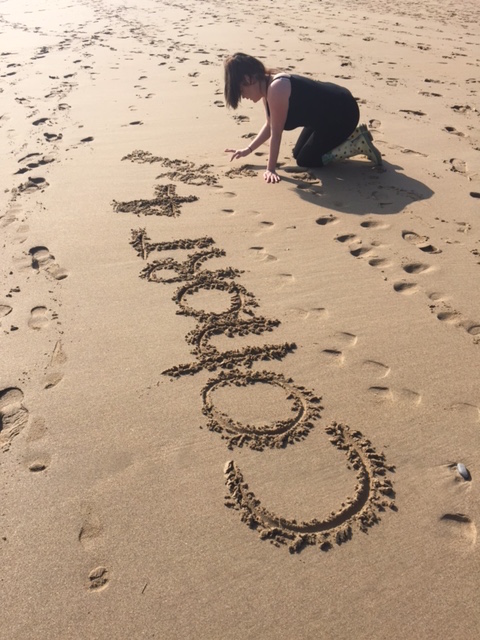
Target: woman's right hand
x,y
238,153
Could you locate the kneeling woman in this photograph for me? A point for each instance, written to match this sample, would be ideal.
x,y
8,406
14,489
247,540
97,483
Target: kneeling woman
x,y
327,112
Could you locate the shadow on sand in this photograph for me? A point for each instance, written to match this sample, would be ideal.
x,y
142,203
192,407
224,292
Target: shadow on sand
x,y
356,187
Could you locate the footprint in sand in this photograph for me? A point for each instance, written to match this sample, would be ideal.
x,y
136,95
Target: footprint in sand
x,y
262,254
467,410
318,313
436,296
361,252
324,220
240,119
375,369
37,462
386,394
416,267
42,260
413,152
454,131
5,309
460,528
383,394
98,579
285,278
40,121
13,415
458,166
38,318
421,242
374,224
33,184
54,374
380,263
37,430
52,137
33,161
347,238
452,317
91,527
407,288
346,339
412,112
412,397
341,340
333,356
413,238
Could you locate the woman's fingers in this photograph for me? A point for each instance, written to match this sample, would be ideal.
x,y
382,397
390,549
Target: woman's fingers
x,y
271,177
235,152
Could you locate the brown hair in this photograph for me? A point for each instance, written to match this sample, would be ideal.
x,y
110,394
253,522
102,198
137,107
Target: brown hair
x,y
236,68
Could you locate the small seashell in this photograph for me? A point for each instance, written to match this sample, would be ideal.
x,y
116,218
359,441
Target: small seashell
x,y
463,471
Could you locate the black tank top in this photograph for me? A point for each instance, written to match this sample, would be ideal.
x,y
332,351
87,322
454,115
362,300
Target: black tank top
x,y
316,104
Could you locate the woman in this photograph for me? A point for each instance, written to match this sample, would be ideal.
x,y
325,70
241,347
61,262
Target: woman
x,y
329,114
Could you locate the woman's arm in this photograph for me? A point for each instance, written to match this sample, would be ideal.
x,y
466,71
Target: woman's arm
x,y
262,136
278,96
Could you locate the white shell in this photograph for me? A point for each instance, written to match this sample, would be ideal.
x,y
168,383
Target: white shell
x,y
463,471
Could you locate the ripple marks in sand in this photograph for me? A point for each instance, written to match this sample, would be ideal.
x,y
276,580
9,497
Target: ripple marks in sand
x,y
13,415
373,494
305,406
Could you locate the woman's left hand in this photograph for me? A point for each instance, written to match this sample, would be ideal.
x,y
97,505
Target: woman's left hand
x,y
271,176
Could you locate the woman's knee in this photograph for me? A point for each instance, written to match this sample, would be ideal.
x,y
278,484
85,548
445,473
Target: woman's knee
x,y
306,161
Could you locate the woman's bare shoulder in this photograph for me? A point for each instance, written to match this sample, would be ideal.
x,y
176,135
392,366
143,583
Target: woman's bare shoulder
x,y
279,89
281,75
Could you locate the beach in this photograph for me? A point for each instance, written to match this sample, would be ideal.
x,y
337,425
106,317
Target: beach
x,y
232,409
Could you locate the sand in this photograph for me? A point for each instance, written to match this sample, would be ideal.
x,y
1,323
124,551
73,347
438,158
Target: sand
x,y
230,409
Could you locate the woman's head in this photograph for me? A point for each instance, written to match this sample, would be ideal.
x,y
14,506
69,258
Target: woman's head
x,y
241,68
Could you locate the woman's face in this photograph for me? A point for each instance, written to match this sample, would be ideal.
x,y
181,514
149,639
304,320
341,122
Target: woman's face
x,y
250,89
